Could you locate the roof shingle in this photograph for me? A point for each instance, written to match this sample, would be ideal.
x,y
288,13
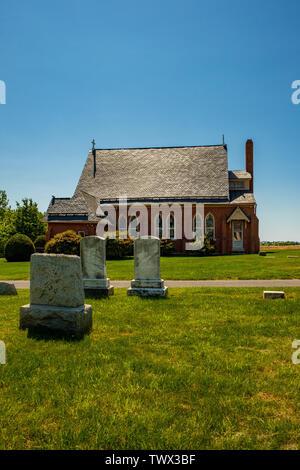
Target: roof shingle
x,y
173,172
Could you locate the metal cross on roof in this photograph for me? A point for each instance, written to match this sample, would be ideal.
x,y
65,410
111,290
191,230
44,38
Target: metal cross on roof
x,y
93,142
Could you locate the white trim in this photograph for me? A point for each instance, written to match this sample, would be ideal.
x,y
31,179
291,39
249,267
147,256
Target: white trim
x,y
238,214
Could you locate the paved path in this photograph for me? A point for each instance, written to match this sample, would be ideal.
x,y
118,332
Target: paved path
x,y
219,283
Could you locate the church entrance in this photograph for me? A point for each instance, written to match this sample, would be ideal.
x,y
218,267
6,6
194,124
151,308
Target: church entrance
x,y
237,235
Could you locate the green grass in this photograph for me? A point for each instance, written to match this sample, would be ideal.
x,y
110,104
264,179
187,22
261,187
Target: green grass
x,y
275,265
202,369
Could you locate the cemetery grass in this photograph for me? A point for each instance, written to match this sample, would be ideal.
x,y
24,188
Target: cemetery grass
x,y
275,265
205,368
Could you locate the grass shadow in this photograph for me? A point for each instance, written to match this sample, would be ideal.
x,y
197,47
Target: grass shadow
x,y
46,334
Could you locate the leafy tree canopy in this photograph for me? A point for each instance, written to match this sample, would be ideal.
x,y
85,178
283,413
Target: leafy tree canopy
x,y
28,219
25,219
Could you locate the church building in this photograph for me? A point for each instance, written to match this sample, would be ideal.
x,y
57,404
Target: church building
x,y
166,175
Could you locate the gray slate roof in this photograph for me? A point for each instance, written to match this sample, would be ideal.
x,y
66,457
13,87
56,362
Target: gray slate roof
x,y
239,174
151,174
173,172
242,197
66,205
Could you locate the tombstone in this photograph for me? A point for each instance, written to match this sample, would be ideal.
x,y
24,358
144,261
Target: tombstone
x,y
2,353
273,294
93,262
56,296
7,288
147,282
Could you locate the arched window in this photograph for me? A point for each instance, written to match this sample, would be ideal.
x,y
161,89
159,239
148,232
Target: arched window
x,y
171,226
197,226
158,226
133,226
122,224
210,226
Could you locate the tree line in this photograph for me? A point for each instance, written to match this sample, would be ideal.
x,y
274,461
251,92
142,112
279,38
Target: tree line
x,y
25,219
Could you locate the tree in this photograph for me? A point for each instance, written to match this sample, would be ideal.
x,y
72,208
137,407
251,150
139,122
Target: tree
x,y
28,219
3,203
7,228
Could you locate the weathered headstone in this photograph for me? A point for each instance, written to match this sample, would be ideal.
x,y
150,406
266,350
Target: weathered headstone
x,y
273,294
56,296
7,288
93,262
147,282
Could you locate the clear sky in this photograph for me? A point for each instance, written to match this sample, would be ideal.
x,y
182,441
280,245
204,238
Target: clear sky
x,y
151,73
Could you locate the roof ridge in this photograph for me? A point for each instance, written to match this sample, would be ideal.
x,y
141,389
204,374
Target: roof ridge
x,y
162,147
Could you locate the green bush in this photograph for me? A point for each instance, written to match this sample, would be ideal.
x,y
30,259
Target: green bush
x,y
67,243
208,248
126,247
118,248
167,247
113,250
19,248
40,243
121,248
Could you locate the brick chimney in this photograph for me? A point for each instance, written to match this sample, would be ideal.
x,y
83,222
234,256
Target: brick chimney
x,y
249,160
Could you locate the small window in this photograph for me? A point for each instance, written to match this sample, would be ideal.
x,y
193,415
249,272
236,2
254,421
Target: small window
x,y
236,185
210,226
82,234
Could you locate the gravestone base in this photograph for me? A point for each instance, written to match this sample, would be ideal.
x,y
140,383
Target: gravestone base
x,y
273,294
148,288
98,287
99,292
69,321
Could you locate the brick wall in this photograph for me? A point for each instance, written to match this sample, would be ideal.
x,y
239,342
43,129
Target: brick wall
x,y
223,230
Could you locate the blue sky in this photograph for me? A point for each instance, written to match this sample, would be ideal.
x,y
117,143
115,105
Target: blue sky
x,y
151,73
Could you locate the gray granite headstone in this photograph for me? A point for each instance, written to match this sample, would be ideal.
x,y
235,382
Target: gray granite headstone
x,y
7,288
56,296
93,261
147,281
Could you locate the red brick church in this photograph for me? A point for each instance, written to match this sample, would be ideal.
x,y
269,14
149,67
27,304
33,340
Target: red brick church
x,y
166,175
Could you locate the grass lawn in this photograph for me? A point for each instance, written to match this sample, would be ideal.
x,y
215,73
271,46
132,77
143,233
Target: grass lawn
x,y
275,265
203,369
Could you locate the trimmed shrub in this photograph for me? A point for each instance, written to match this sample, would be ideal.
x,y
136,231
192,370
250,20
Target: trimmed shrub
x,y
113,250
40,243
67,243
117,248
167,247
126,247
19,248
208,248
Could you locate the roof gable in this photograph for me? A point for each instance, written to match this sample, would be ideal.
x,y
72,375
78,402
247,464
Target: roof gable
x,y
238,214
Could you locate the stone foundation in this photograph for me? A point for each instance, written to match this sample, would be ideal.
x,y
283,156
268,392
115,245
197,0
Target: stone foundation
x,y
71,321
98,287
273,294
148,291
